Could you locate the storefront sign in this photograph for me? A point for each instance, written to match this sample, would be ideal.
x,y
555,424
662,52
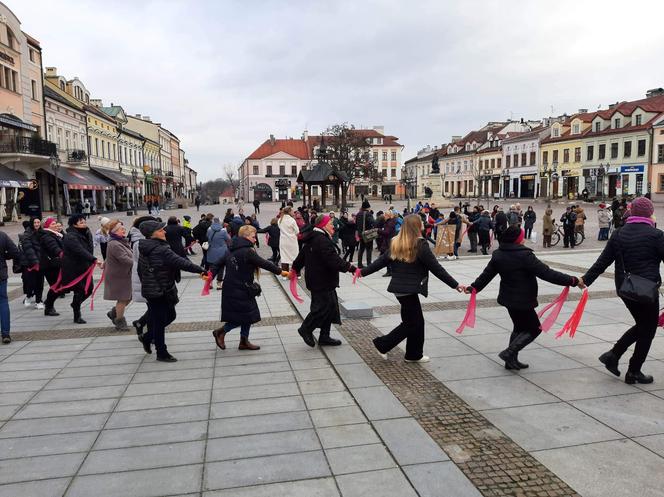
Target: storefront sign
x,y
7,58
527,177
632,169
282,183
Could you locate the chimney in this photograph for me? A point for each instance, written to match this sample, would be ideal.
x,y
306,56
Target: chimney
x,y
272,140
613,106
380,129
455,138
112,105
583,111
96,102
51,72
305,135
655,92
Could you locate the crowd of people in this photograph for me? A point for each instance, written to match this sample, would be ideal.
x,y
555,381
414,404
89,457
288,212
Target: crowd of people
x,y
143,264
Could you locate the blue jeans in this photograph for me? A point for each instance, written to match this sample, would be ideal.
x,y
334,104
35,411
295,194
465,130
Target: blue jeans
x,y
244,329
4,309
603,234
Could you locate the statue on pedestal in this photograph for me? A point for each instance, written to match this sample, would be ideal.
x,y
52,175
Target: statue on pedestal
x,y
435,169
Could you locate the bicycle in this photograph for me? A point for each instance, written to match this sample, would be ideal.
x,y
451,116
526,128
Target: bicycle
x,y
559,234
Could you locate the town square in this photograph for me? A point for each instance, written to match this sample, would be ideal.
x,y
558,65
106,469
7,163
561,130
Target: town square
x,y
330,250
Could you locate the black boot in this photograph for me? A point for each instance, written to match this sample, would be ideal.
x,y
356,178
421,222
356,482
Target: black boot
x,y
509,356
77,315
146,344
166,358
112,314
139,327
632,377
308,337
50,311
610,361
325,339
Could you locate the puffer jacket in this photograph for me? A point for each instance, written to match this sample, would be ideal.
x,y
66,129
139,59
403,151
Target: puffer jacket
x,y
484,223
519,269
158,266
31,247
51,250
218,241
642,250
321,261
8,250
412,277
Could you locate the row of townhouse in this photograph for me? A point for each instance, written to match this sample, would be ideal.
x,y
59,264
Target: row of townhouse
x,y
50,128
607,153
270,172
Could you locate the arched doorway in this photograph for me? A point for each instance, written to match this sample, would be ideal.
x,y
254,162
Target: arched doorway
x,y
263,192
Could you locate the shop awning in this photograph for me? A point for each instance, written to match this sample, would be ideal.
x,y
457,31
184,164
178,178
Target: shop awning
x,y
12,179
16,122
79,179
116,177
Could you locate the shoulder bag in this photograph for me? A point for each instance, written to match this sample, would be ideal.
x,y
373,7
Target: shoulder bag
x,y
634,287
368,235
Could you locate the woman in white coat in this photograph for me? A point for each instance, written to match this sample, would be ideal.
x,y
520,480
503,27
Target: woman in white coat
x,y
288,247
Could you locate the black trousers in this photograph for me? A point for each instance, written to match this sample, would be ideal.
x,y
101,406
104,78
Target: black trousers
x,y
33,281
642,333
364,247
350,252
217,271
160,314
485,240
323,312
51,276
472,236
275,254
568,237
411,329
526,328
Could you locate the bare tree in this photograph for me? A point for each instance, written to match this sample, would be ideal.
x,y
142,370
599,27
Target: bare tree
x,y
348,151
232,178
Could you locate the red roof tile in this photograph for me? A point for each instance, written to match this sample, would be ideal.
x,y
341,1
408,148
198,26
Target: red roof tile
x,y
291,146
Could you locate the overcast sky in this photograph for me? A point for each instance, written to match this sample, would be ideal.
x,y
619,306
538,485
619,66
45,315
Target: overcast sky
x,y
223,75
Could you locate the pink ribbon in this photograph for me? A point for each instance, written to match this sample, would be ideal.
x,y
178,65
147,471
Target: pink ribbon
x,y
207,285
357,274
92,298
469,318
661,320
34,268
293,287
557,306
190,245
87,275
573,322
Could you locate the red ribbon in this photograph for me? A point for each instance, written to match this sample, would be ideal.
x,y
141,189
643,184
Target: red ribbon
x,y
661,320
92,298
557,306
469,318
573,322
357,274
87,275
190,245
293,287
34,268
207,285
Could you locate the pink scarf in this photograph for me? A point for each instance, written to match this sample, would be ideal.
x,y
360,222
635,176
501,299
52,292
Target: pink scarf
x,y
469,318
639,219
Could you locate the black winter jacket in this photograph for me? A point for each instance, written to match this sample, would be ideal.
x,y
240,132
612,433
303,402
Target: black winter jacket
x,y
8,250
412,277
347,232
78,253
200,231
483,223
274,233
51,249
642,249
500,224
237,305
321,261
364,221
519,269
174,236
31,247
158,266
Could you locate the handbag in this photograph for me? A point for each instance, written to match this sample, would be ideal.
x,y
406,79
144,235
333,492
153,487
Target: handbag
x,y
253,289
634,287
368,235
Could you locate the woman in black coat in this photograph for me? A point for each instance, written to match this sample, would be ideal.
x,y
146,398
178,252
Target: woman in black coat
x,y
52,247
519,269
32,272
78,256
238,300
410,260
637,247
347,233
529,219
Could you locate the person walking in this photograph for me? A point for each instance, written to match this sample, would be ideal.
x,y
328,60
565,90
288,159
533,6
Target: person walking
x,y
86,209
197,201
257,206
637,249
238,300
320,259
149,206
484,225
157,268
33,273
473,232
364,221
218,242
78,256
500,223
548,227
200,234
529,219
519,269
135,236
51,260
385,235
603,222
580,220
410,260
288,247
117,273
348,236
273,235
8,251
177,236
568,219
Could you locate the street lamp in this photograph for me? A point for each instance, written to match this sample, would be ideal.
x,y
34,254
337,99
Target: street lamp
x,y
601,172
550,173
506,186
55,166
134,177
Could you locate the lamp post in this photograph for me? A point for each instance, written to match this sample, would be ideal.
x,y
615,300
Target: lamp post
x,y
601,172
134,177
55,166
505,175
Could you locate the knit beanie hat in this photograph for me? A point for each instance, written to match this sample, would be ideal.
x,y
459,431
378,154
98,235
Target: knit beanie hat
x,y
512,234
642,207
104,220
322,220
49,221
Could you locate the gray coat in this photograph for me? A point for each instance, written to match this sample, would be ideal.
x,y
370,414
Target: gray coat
x,y
117,270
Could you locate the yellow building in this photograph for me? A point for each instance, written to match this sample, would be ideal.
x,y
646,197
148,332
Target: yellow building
x,y
102,150
561,163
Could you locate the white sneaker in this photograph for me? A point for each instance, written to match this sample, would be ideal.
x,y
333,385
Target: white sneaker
x,y
39,306
424,358
384,356
27,302
452,257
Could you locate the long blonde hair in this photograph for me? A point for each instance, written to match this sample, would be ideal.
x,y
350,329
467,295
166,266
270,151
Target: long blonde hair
x,y
286,211
403,247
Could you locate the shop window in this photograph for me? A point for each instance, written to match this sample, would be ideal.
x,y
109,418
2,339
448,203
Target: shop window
x,y
639,184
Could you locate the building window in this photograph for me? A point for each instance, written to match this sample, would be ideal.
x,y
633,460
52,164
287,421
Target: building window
x,y
661,182
614,150
97,147
616,123
556,132
598,127
393,173
282,170
566,155
62,85
33,56
641,150
577,154
516,160
589,153
545,157
575,129
523,159
627,147
114,153
602,152
493,163
384,173
108,149
33,85
660,153
555,157
499,161
533,158
508,160
269,171
384,154
393,155
293,170
10,38
375,156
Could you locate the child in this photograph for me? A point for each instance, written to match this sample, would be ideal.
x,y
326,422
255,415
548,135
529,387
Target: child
x,y
519,269
273,233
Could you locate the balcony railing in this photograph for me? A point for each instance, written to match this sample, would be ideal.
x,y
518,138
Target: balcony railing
x,y
76,156
26,145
